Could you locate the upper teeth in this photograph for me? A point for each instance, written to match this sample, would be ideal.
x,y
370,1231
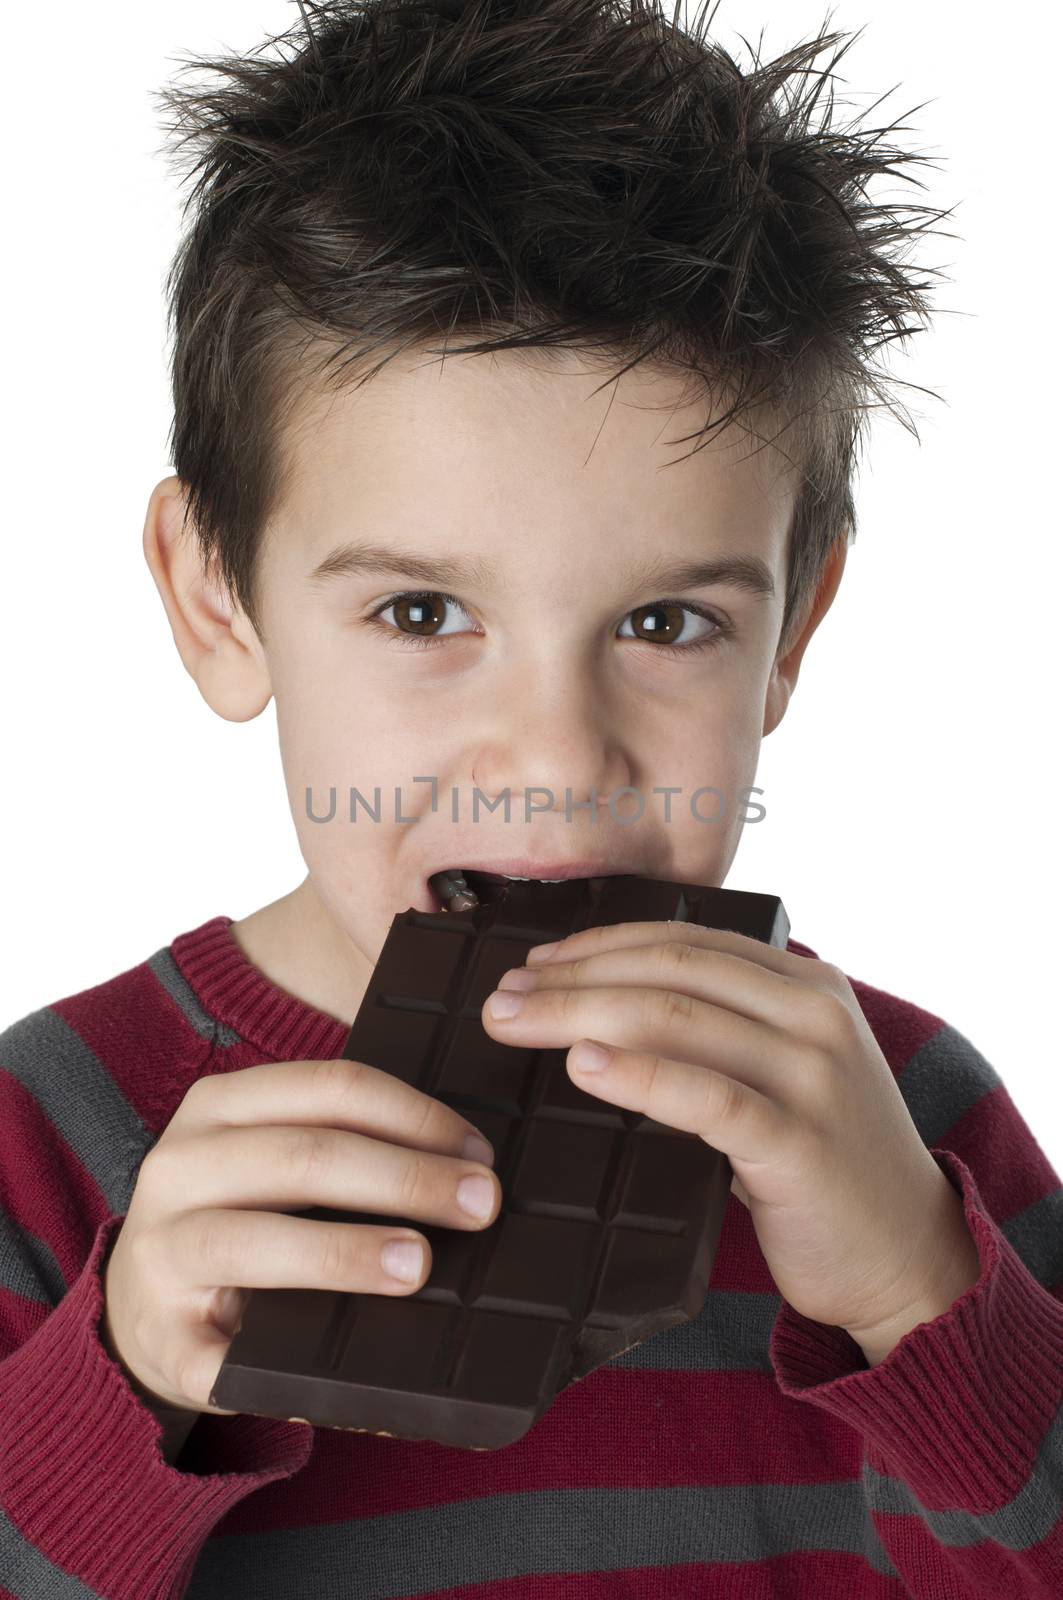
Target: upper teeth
x,y
514,879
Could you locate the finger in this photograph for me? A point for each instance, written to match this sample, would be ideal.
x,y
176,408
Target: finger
x,y
621,935
335,1093
268,1250
289,1167
200,1355
645,1019
718,977
187,1348
731,1116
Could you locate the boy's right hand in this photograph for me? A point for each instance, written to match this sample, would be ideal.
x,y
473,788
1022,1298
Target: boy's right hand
x,y
201,1230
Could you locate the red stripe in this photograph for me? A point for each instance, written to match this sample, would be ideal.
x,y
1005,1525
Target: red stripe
x,y
706,1429
989,1570
155,1055
1020,1174
899,1027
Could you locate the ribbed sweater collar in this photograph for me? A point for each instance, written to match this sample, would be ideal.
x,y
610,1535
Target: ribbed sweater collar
x,y
233,990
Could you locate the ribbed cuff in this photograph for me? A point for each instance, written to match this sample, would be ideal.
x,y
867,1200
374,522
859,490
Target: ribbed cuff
x,y
961,1405
84,1480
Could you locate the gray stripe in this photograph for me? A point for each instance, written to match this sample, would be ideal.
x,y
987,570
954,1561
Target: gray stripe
x,y
31,1576
27,1265
1026,1520
169,974
495,1537
77,1094
943,1080
730,1333
1036,1236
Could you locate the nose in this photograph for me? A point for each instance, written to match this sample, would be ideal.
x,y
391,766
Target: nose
x,y
545,744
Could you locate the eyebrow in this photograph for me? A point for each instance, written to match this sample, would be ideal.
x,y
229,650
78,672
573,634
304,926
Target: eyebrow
x,y
748,573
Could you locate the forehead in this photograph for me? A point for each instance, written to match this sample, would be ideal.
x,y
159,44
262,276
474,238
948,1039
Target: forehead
x,y
527,438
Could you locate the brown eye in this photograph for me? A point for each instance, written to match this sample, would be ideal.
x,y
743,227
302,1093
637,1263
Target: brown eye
x,y
663,622
418,616
422,613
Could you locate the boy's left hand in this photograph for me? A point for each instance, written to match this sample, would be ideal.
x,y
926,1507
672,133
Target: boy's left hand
x,y
767,1056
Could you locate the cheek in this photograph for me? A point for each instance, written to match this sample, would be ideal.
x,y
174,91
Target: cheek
x,y
331,727
714,764
331,744
715,742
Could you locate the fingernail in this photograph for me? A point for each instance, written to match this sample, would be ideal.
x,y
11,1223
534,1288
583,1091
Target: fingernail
x,y
476,1196
539,952
504,1005
518,978
477,1149
588,1056
402,1259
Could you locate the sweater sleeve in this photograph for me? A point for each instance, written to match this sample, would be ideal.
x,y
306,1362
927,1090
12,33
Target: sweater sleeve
x,y
85,1492
962,1422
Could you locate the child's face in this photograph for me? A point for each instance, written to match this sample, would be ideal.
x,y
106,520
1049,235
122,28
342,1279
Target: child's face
x,y
545,677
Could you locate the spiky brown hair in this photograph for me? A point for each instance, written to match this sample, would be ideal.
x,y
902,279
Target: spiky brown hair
x,y
547,174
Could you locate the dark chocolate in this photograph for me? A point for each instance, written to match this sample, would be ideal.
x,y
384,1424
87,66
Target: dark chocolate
x,y
609,1220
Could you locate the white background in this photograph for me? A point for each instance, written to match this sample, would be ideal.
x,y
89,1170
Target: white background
x,y
911,789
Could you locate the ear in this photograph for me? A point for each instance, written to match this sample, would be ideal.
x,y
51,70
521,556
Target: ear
x,y
785,669
214,638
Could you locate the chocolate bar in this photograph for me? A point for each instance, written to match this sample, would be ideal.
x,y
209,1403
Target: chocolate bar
x,y
609,1221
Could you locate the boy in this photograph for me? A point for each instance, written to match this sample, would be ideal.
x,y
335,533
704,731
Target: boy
x,y
869,1402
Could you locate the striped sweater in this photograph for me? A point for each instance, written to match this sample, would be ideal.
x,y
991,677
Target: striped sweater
x,y
748,1453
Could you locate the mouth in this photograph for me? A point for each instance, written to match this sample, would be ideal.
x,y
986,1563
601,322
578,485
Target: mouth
x,y
464,888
